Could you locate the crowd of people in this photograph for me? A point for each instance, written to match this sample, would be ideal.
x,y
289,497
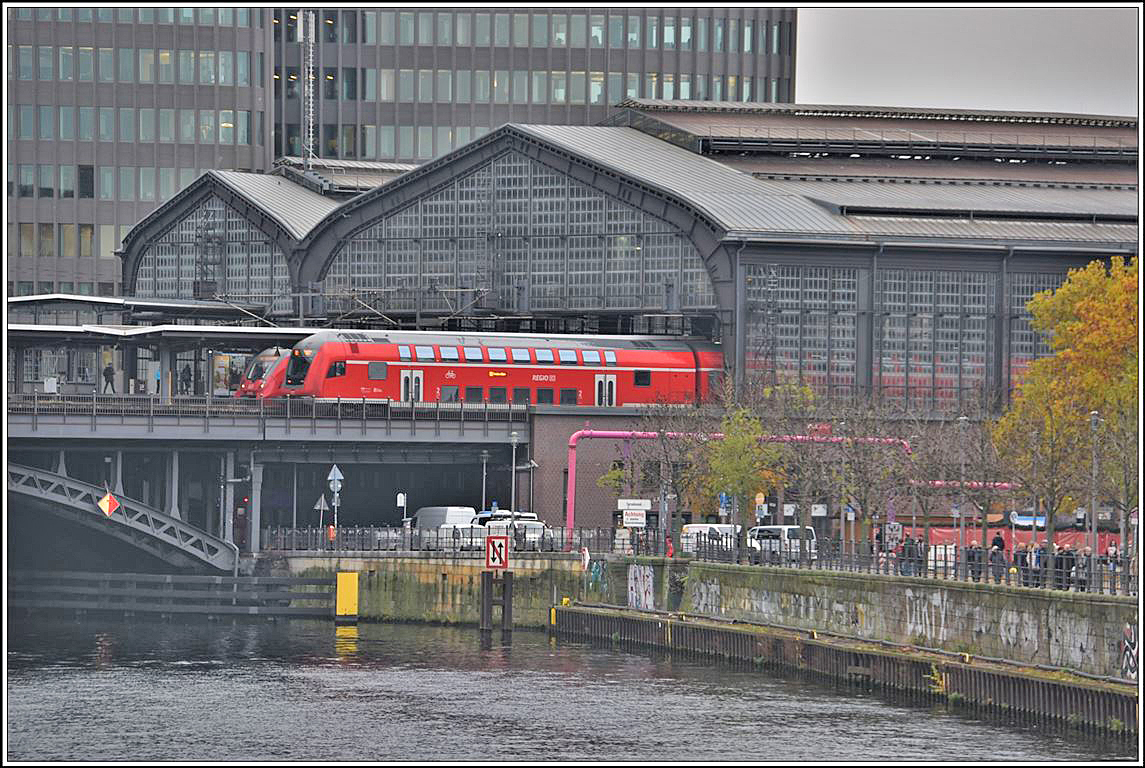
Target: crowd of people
x,y
1029,565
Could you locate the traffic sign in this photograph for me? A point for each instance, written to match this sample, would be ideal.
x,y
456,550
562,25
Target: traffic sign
x,y
108,504
320,506
635,518
335,478
725,500
497,552
644,504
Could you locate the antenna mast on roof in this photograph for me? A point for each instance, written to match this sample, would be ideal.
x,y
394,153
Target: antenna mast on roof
x,y
307,19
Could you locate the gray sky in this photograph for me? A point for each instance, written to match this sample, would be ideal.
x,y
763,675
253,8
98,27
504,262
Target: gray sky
x,y
1021,58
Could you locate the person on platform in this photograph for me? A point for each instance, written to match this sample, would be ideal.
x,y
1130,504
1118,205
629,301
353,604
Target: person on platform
x,y
1083,569
1063,567
998,542
185,379
109,379
974,558
1022,562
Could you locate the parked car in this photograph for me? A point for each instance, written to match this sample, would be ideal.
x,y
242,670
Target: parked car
x,y
780,543
523,534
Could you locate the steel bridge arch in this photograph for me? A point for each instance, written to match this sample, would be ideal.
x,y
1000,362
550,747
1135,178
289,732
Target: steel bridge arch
x,y
168,538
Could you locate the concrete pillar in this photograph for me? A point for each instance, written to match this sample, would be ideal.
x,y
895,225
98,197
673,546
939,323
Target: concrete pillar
x,y
255,504
119,472
229,498
18,355
61,464
164,374
173,487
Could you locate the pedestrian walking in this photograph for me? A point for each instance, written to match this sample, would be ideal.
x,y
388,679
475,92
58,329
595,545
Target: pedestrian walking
x,y
974,558
997,564
109,379
1022,562
1083,570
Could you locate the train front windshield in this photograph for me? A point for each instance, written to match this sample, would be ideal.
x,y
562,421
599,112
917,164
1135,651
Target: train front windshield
x,y
300,359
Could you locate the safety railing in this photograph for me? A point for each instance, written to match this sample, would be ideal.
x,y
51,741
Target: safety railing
x,y
198,407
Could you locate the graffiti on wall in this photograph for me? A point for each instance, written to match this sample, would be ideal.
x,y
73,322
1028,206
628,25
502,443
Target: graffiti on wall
x,y
706,597
640,587
926,614
1129,652
1019,633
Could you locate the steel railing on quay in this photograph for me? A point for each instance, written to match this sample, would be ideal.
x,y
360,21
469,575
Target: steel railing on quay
x,y
1098,575
345,411
461,541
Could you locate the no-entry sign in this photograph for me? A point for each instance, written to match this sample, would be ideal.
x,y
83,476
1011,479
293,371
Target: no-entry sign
x,y
497,552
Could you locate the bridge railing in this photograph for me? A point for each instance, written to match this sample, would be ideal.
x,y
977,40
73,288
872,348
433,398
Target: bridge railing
x,y
197,407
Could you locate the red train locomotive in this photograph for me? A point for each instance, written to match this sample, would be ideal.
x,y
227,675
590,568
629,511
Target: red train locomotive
x,y
422,366
258,373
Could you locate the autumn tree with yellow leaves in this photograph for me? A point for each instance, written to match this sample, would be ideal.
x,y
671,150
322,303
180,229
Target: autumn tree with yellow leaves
x,y
1092,323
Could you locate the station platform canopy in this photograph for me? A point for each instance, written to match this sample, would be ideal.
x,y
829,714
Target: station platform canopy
x,y
219,337
140,308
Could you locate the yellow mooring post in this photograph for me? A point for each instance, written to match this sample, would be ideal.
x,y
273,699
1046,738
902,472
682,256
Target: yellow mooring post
x,y
346,601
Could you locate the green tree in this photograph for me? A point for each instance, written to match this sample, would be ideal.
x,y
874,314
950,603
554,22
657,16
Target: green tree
x,y
739,465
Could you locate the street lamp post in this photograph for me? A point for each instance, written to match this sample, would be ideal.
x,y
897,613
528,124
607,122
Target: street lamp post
x,y
962,422
513,478
484,461
1093,419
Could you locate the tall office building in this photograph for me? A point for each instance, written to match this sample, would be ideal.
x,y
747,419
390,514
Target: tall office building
x,y
112,111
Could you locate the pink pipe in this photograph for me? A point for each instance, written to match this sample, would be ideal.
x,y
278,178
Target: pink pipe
x,y
570,493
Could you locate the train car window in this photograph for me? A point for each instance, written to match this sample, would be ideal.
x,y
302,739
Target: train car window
x,y
404,353
299,365
544,397
642,378
497,395
376,371
567,356
473,355
544,355
474,395
568,397
497,355
450,394
337,368
591,357
609,357
424,354
520,355
521,395
449,354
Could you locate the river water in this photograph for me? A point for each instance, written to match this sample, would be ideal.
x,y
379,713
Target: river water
x,y
100,689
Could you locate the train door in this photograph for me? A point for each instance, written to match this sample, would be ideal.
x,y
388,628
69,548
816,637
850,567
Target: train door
x,y
412,386
605,389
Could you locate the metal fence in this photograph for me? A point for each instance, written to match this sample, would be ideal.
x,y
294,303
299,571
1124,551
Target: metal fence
x,y
350,411
1098,575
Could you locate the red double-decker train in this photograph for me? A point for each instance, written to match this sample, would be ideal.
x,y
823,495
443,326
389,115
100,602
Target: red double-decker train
x,y
259,373
421,366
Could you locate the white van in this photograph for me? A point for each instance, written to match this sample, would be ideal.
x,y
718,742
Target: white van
x,y
726,534
780,543
428,523
523,533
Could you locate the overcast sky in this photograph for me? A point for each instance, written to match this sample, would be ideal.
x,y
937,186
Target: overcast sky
x,y
1022,58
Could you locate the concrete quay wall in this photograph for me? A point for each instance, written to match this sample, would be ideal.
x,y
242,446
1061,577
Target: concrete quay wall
x,y
442,589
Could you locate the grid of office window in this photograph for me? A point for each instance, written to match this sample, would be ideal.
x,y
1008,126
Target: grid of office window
x,y
214,251
515,234
465,72
934,340
1026,344
801,325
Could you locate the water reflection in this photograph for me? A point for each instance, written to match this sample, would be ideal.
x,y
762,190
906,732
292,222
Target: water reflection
x,y
407,692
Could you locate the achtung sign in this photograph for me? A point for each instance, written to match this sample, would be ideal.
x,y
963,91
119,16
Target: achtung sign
x,y
108,504
497,552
